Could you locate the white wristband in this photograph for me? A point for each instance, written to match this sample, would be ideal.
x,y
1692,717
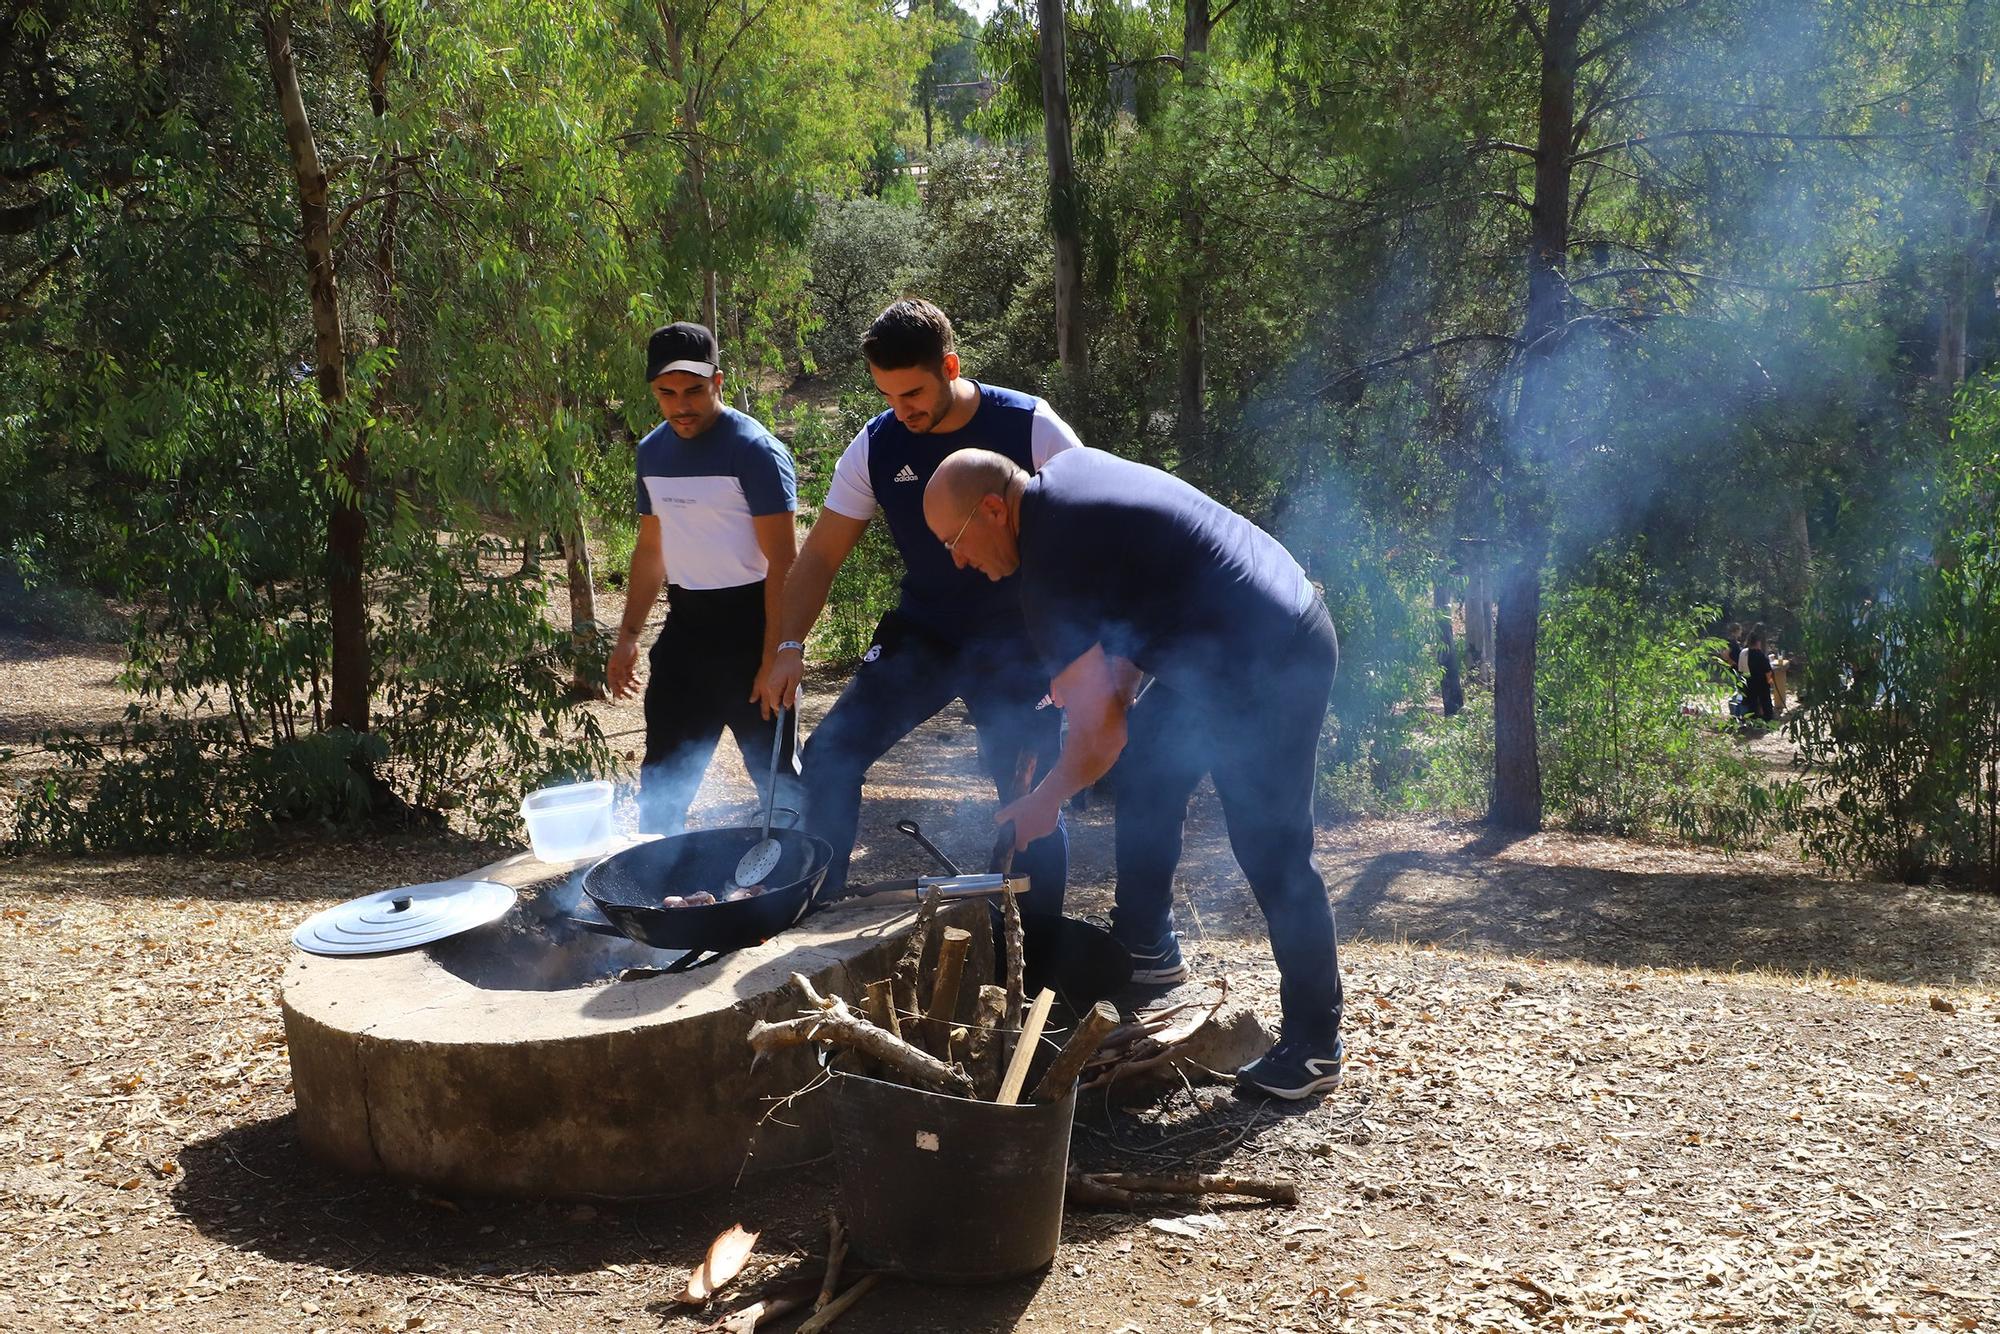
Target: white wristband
x,y
792,643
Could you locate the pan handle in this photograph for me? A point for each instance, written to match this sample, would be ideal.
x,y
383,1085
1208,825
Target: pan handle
x,y
910,827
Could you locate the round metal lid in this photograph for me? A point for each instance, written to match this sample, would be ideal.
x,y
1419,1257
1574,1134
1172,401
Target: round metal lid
x,y
396,919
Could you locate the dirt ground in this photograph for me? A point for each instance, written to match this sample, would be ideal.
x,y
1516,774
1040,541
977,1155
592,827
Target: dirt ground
x,y
1590,1085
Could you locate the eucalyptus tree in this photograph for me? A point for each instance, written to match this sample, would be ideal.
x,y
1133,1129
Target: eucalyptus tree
x,y
302,304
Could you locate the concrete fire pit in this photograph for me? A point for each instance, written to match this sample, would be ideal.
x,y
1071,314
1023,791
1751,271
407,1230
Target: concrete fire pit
x,y
530,1057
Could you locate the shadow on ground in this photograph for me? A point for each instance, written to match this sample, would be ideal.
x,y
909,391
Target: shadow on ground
x,y
1726,920
254,1189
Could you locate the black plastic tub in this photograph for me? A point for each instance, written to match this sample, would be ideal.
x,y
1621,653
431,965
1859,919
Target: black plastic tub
x,y
948,1190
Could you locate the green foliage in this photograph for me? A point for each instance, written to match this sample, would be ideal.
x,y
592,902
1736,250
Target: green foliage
x,y
870,578
1453,772
1900,719
865,253
1628,710
190,784
1630,723
523,194
476,684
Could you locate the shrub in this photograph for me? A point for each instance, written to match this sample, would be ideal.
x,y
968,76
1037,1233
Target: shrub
x,y
1626,709
865,253
1900,720
1625,703
869,580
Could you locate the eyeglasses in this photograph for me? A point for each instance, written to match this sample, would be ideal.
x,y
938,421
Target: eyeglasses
x,y
952,546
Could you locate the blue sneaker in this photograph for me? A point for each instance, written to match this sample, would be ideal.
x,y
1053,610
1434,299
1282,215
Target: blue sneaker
x,y
1295,1068
1160,963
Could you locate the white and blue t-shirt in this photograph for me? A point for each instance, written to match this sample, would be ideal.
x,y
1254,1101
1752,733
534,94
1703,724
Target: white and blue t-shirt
x,y
705,492
885,470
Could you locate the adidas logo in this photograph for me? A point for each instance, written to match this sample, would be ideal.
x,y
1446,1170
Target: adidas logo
x,y
908,474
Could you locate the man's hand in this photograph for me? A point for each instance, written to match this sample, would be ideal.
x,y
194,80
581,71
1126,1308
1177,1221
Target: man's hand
x,y
1034,816
618,672
777,684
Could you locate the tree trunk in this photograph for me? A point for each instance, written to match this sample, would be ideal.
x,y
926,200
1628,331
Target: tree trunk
x,y
1517,773
1192,298
1517,766
586,654
1796,578
1968,71
697,166
347,527
1449,687
1065,215
1479,620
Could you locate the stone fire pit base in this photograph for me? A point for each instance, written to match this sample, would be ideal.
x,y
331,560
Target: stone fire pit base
x,y
484,1064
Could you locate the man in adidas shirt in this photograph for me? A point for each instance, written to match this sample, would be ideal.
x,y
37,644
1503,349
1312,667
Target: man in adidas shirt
x,y
716,504
953,634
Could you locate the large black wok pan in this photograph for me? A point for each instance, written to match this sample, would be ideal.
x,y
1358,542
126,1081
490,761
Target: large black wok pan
x,y
627,888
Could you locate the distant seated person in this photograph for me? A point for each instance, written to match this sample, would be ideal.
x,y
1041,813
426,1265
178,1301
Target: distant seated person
x,y
1755,666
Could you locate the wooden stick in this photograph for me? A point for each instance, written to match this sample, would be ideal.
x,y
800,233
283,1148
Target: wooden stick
x,y
983,1055
837,1308
1024,1049
1124,1189
836,1255
842,1027
952,947
746,1319
909,966
908,1012
1017,965
1082,1045
1003,862
881,1006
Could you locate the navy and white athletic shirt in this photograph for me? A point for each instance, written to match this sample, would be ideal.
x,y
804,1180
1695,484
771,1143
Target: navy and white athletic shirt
x,y
1115,552
887,467
706,490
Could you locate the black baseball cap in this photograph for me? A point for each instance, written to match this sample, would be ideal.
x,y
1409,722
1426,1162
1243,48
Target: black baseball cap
x,y
681,347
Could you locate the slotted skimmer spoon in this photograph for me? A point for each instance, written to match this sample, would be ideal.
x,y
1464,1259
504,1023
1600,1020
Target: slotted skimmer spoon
x,y
756,865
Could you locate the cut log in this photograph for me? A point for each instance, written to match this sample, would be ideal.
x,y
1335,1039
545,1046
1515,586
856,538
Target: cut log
x,y
1024,1049
881,1006
909,968
983,1055
952,947
1082,1045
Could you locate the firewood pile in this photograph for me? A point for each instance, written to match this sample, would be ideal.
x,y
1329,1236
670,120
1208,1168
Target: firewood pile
x,y
906,1027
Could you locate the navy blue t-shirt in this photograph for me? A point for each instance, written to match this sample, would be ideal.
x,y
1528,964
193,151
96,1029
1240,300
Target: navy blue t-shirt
x,y
886,468
1115,552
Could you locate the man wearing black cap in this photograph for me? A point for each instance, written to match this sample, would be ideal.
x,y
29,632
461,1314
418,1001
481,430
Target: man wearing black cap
x,y
716,500
951,635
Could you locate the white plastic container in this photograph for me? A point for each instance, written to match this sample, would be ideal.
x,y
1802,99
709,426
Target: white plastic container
x,y
569,822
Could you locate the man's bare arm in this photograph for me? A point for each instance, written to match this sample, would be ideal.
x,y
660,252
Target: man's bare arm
x,y
833,535
644,579
778,539
1095,693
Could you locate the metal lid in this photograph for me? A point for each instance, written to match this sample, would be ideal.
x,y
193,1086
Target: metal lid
x,y
396,919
